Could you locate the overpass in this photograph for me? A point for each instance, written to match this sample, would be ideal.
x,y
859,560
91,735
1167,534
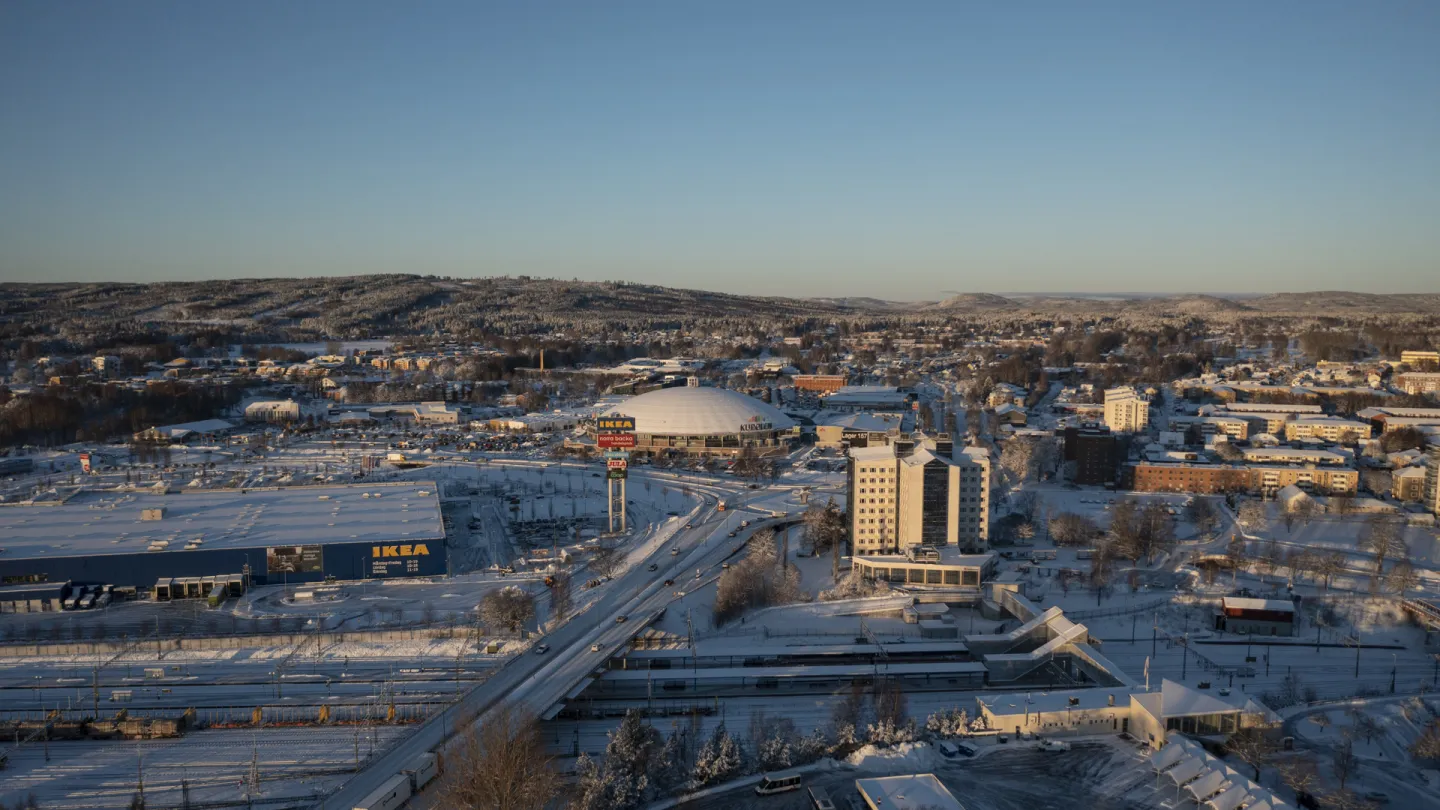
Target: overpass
x,y
540,684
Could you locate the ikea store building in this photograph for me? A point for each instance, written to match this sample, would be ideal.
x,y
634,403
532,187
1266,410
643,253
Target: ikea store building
x,y
265,536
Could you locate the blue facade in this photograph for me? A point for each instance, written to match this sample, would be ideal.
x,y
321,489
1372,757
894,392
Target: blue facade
x,y
346,561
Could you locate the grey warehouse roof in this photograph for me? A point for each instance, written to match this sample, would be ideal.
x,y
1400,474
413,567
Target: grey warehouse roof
x,y
110,522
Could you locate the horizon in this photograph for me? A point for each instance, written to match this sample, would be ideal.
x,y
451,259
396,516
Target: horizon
x,y
780,152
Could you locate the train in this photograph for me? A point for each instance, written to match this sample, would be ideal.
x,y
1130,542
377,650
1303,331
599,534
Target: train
x,y
394,792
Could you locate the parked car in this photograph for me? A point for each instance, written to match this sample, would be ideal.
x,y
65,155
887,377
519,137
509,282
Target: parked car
x,y
1052,745
954,750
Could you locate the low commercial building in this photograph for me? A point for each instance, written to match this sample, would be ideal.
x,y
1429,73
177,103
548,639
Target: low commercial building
x,y
205,429
421,413
1260,617
1150,715
273,410
834,430
291,534
914,792
868,398
946,568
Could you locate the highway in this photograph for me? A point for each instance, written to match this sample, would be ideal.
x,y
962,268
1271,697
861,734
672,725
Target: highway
x,y
533,683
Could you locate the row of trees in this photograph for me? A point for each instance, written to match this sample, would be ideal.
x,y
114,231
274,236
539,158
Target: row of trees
x,y
763,578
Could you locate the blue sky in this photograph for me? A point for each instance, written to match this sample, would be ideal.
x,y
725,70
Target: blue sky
x,y
797,148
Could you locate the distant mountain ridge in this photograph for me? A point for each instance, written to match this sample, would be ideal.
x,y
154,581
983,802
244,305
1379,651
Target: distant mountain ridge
x,y
400,304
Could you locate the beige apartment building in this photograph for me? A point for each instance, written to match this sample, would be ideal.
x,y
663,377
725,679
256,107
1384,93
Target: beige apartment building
x,y
1431,495
1418,382
1329,428
1126,411
1413,357
905,495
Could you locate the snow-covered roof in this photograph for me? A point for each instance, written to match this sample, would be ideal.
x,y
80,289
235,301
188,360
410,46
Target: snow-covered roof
x,y
699,411
1179,700
94,523
910,792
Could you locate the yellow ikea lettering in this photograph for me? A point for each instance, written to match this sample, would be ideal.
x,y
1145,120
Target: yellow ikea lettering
x,y
418,550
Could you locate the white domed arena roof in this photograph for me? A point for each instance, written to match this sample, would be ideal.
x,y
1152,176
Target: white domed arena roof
x,y
686,411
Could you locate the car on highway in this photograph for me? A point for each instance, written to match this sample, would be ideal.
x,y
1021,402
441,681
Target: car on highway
x,y
595,647
1052,745
621,618
654,567
669,582
541,649
674,552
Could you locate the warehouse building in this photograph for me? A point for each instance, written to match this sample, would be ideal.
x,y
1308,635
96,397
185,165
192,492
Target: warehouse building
x,y
294,534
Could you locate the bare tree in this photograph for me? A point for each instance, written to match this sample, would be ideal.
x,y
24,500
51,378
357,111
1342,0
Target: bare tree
x,y
1343,762
508,608
1332,565
606,561
1253,516
1235,556
561,600
1403,577
1382,539
1201,514
1252,746
502,764
1070,529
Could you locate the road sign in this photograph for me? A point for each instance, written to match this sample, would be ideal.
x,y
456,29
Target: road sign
x,y
615,475
616,464
615,424
615,440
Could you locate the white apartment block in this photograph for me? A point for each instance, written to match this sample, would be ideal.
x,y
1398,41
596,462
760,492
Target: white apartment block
x,y
902,496
1413,357
1126,411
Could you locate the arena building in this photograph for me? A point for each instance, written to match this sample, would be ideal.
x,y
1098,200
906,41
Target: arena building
x,y
263,536
695,420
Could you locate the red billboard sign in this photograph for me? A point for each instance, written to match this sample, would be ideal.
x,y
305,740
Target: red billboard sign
x,y
615,464
609,441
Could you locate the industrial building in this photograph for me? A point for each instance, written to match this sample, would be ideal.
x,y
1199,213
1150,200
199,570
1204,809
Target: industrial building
x,y
263,536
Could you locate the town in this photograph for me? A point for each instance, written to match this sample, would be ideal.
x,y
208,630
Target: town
x,y
846,559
